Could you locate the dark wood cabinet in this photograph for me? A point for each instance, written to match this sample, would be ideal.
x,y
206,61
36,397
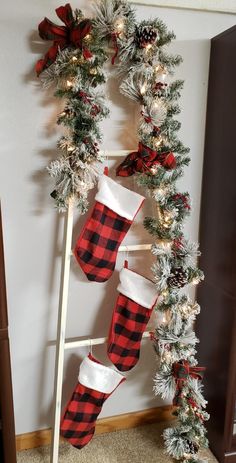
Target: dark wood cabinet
x,y
216,325
7,425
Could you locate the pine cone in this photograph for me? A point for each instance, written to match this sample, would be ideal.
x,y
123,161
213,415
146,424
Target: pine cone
x,y
178,278
193,448
146,36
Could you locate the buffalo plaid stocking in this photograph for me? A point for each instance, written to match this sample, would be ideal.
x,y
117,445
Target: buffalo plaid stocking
x,y
96,384
113,213
130,317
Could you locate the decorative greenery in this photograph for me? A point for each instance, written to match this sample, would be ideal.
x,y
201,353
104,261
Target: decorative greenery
x,y
145,71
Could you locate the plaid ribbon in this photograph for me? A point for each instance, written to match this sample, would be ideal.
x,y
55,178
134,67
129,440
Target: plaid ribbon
x,y
72,34
86,99
184,199
181,372
114,36
143,160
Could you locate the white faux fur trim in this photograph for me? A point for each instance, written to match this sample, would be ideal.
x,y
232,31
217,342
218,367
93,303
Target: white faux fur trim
x,y
118,198
98,377
137,288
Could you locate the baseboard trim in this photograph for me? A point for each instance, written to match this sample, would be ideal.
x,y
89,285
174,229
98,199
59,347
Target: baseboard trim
x,y
114,423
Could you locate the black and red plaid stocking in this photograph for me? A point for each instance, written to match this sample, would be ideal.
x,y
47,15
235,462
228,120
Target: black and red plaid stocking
x,y
130,317
114,211
96,384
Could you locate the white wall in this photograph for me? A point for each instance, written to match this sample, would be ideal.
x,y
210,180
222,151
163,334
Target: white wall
x,y
32,228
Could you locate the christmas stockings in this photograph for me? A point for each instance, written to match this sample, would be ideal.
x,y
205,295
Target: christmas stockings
x,y
112,216
96,384
96,251
96,381
130,317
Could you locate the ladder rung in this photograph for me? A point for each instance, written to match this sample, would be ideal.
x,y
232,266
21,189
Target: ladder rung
x,y
116,153
92,342
131,248
135,247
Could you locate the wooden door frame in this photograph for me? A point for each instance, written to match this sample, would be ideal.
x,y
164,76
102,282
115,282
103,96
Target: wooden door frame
x,y
212,6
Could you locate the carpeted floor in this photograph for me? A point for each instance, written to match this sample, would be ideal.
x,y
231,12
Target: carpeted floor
x,y
140,445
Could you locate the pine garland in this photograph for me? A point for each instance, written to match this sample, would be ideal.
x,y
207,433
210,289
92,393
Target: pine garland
x,y
145,71
78,82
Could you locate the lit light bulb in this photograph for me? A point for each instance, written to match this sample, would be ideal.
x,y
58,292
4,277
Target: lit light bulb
x,y
195,281
164,293
168,356
187,456
158,142
83,186
167,217
167,244
71,148
87,37
156,104
154,170
120,25
184,309
74,59
164,75
143,89
148,47
160,191
69,83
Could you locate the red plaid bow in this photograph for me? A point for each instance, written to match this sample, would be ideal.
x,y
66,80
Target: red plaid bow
x,y
63,36
181,371
143,160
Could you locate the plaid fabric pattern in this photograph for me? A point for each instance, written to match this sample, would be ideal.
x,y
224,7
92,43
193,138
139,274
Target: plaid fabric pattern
x,y
181,372
128,324
143,160
96,248
79,420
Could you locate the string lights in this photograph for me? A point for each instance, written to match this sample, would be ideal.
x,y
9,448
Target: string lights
x,y
144,67
69,83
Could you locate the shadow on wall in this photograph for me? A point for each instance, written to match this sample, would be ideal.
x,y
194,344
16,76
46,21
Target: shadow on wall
x,y
126,135
50,128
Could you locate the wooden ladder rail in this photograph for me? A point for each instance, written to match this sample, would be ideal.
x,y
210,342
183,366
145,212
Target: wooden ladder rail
x,y
61,343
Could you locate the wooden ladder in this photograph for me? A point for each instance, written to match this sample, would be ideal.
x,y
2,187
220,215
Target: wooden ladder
x,y
62,344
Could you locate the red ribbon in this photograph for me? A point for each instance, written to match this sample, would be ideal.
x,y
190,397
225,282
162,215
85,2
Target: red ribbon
x,y
84,97
147,119
181,372
143,160
114,36
183,198
72,34
95,108
152,336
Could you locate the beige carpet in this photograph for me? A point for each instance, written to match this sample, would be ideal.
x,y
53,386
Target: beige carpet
x,y
140,445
